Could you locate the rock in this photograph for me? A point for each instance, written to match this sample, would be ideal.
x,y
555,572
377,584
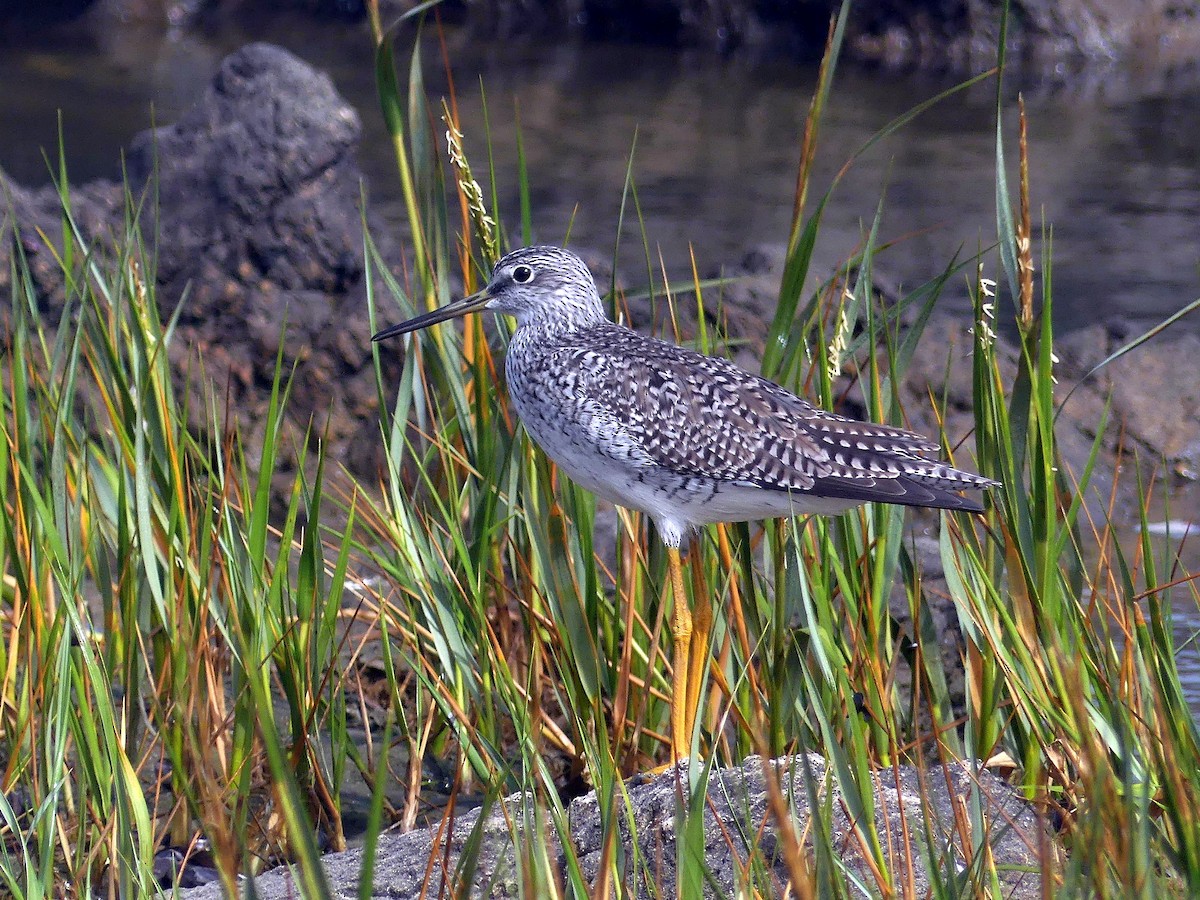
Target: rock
x,y
96,208
424,863
1139,425
1140,381
258,178
254,199
1142,426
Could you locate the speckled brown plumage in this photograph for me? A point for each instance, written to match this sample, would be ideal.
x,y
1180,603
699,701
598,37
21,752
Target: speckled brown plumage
x,y
688,439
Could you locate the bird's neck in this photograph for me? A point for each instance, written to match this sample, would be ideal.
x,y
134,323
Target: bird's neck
x,y
562,317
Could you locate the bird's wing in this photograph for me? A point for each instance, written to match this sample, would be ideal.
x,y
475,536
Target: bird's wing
x,y
702,416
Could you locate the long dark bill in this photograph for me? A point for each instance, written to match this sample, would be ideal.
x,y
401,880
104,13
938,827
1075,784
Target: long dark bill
x,y
469,304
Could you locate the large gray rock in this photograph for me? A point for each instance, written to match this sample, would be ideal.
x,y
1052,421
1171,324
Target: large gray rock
x,y
252,204
257,181
737,820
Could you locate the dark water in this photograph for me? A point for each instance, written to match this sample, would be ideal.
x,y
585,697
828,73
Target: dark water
x,y
1115,166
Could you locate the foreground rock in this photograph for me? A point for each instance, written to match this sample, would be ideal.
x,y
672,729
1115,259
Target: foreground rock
x,y
737,823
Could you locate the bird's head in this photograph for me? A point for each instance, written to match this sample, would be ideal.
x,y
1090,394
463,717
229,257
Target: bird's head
x,y
535,285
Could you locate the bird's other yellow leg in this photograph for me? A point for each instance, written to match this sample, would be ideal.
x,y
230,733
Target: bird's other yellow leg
x,y
702,618
682,715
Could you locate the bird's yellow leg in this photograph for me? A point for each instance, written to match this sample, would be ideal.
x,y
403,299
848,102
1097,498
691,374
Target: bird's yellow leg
x,y
682,715
702,618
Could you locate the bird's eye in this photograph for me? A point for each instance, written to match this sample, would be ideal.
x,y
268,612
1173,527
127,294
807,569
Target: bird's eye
x,y
522,274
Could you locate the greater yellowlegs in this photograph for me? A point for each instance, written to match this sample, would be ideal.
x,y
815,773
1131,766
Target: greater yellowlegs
x,y
687,439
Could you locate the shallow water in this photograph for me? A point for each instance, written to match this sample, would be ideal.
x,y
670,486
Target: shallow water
x,y
717,144
1114,166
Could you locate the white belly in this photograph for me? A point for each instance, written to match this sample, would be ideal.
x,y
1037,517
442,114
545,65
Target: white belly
x,y
675,502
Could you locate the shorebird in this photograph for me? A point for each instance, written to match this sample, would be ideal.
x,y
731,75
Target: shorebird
x,y
685,438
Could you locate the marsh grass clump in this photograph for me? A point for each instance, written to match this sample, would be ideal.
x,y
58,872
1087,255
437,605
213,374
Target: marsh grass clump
x,y
154,616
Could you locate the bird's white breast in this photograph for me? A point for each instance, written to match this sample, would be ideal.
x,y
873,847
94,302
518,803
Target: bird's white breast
x,y
623,475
